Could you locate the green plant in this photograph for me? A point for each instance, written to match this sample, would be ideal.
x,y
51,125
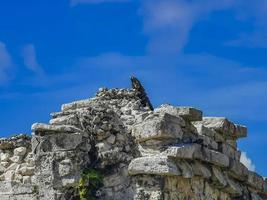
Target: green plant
x,y
90,181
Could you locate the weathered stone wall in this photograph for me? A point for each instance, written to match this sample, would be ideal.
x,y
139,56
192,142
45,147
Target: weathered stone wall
x,y
17,167
143,154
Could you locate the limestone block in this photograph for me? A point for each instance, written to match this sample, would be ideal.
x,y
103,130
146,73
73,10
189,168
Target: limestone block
x,y
61,142
65,119
218,137
219,179
201,170
13,166
103,146
255,196
233,187
65,167
20,151
76,105
188,113
2,168
238,170
158,126
255,181
39,128
219,159
5,157
114,180
203,130
209,142
184,151
14,188
16,159
26,171
69,181
18,177
158,165
5,164
230,151
30,160
213,157
101,134
186,169
9,175
111,139
225,127
26,180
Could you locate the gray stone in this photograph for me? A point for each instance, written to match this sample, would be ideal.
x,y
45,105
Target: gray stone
x,y
203,130
184,151
45,128
16,159
214,157
209,142
111,139
255,196
188,113
200,169
219,178
225,127
158,165
62,142
20,151
76,105
255,181
26,180
186,169
5,157
233,187
65,167
13,166
26,171
9,175
158,126
238,170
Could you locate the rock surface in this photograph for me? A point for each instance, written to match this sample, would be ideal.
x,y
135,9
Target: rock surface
x,y
170,153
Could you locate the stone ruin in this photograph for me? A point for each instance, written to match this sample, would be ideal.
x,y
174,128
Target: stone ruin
x,y
170,153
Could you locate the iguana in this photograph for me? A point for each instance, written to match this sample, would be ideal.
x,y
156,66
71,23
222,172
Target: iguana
x,y
141,93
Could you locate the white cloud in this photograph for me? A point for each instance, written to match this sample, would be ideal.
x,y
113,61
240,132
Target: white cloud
x,y
5,62
76,2
169,22
247,161
30,59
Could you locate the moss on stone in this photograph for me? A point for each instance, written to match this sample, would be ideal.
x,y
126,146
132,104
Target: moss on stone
x,y
90,181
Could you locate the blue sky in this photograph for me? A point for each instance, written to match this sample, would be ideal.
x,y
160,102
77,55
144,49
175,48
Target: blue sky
x,y
210,54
